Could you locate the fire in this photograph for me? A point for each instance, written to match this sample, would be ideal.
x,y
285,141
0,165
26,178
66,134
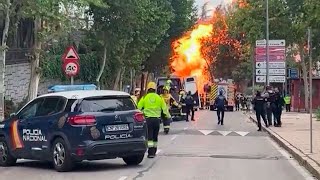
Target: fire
x,y
187,59
196,52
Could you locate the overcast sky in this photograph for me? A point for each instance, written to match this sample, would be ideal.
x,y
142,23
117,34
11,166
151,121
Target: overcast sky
x,y
213,3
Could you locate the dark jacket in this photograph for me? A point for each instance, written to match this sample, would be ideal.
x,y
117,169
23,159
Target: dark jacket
x,y
259,103
189,100
220,102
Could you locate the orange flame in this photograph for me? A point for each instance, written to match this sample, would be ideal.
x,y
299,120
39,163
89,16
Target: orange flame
x,y
197,50
187,59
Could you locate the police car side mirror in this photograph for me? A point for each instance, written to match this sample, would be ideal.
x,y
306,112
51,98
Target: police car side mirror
x,y
13,114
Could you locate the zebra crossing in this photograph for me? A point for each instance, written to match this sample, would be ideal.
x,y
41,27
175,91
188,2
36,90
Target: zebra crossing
x,y
207,132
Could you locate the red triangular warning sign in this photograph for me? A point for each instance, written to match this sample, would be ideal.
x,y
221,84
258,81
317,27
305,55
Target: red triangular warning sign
x,y
70,54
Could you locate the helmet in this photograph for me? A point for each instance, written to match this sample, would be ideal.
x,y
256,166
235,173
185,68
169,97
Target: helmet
x,y
151,85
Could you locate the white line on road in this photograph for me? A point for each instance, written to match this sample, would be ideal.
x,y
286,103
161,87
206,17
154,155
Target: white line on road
x,y
123,178
292,161
185,128
174,137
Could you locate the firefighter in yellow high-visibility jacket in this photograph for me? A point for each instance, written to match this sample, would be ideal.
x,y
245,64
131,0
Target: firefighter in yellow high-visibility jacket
x,y
153,106
169,100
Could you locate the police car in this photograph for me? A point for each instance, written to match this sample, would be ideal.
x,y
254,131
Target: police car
x,y
69,127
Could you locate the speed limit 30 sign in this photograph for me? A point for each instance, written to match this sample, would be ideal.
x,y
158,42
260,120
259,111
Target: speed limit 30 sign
x,y
71,68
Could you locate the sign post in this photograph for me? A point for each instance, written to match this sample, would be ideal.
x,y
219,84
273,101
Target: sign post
x,y
70,63
270,61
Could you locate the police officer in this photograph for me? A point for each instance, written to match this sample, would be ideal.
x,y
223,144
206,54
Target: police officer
x,y
153,106
182,101
220,103
258,105
279,103
270,108
189,101
168,99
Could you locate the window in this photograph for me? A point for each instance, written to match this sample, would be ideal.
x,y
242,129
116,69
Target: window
x,y
107,104
31,109
51,105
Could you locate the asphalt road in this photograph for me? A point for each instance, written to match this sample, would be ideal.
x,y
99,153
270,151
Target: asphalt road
x,y
193,150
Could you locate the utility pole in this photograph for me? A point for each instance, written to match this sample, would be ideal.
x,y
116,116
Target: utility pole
x,y
267,43
310,85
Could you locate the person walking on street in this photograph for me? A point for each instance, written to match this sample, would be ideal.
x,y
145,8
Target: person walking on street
x,y
220,103
258,105
168,99
152,105
189,101
287,100
237,101
182,101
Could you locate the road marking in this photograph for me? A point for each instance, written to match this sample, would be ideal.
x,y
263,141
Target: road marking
x,y
123,178
224,133
292,161
158,151
242,133
185,128
206,132
174,137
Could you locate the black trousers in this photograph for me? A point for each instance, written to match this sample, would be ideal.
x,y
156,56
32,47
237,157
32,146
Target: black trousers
x,y
237,106
261,114
190,109
153,125
288,107
277,116
270,112
220,114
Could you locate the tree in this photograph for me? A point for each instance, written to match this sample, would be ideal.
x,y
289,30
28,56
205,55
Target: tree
x,y
184,18
7,10
51,20
129,36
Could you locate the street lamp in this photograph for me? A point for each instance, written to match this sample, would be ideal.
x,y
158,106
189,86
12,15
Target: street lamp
x,y
267,43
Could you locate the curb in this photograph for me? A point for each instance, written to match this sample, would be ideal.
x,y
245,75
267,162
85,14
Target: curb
x,y
303,159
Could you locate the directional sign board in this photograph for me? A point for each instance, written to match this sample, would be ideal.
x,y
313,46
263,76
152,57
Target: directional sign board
x,y
293,73
277,57
272,65
280,72
272,79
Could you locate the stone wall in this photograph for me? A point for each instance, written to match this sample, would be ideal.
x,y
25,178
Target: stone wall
x,y
17,78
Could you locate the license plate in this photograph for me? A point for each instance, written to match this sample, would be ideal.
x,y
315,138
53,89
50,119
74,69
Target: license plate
x,y
119,127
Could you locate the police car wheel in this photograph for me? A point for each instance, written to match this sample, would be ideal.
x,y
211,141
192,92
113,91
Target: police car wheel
x,y
133,160
6,159
61,156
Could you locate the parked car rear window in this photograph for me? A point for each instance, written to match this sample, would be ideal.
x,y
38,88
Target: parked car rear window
x,y
107,104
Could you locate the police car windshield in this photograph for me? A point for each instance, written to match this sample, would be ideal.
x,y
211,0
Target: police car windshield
x,y
107,104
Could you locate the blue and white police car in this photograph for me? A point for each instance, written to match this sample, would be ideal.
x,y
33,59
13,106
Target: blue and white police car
x,y
72,126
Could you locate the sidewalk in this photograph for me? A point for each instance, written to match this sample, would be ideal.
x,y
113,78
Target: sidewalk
x,y
294,136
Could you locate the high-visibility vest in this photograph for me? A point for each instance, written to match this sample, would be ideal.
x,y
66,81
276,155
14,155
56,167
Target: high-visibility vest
x,y
152,105
287,100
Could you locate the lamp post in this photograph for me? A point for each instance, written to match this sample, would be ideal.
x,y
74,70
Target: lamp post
x,y
267,43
